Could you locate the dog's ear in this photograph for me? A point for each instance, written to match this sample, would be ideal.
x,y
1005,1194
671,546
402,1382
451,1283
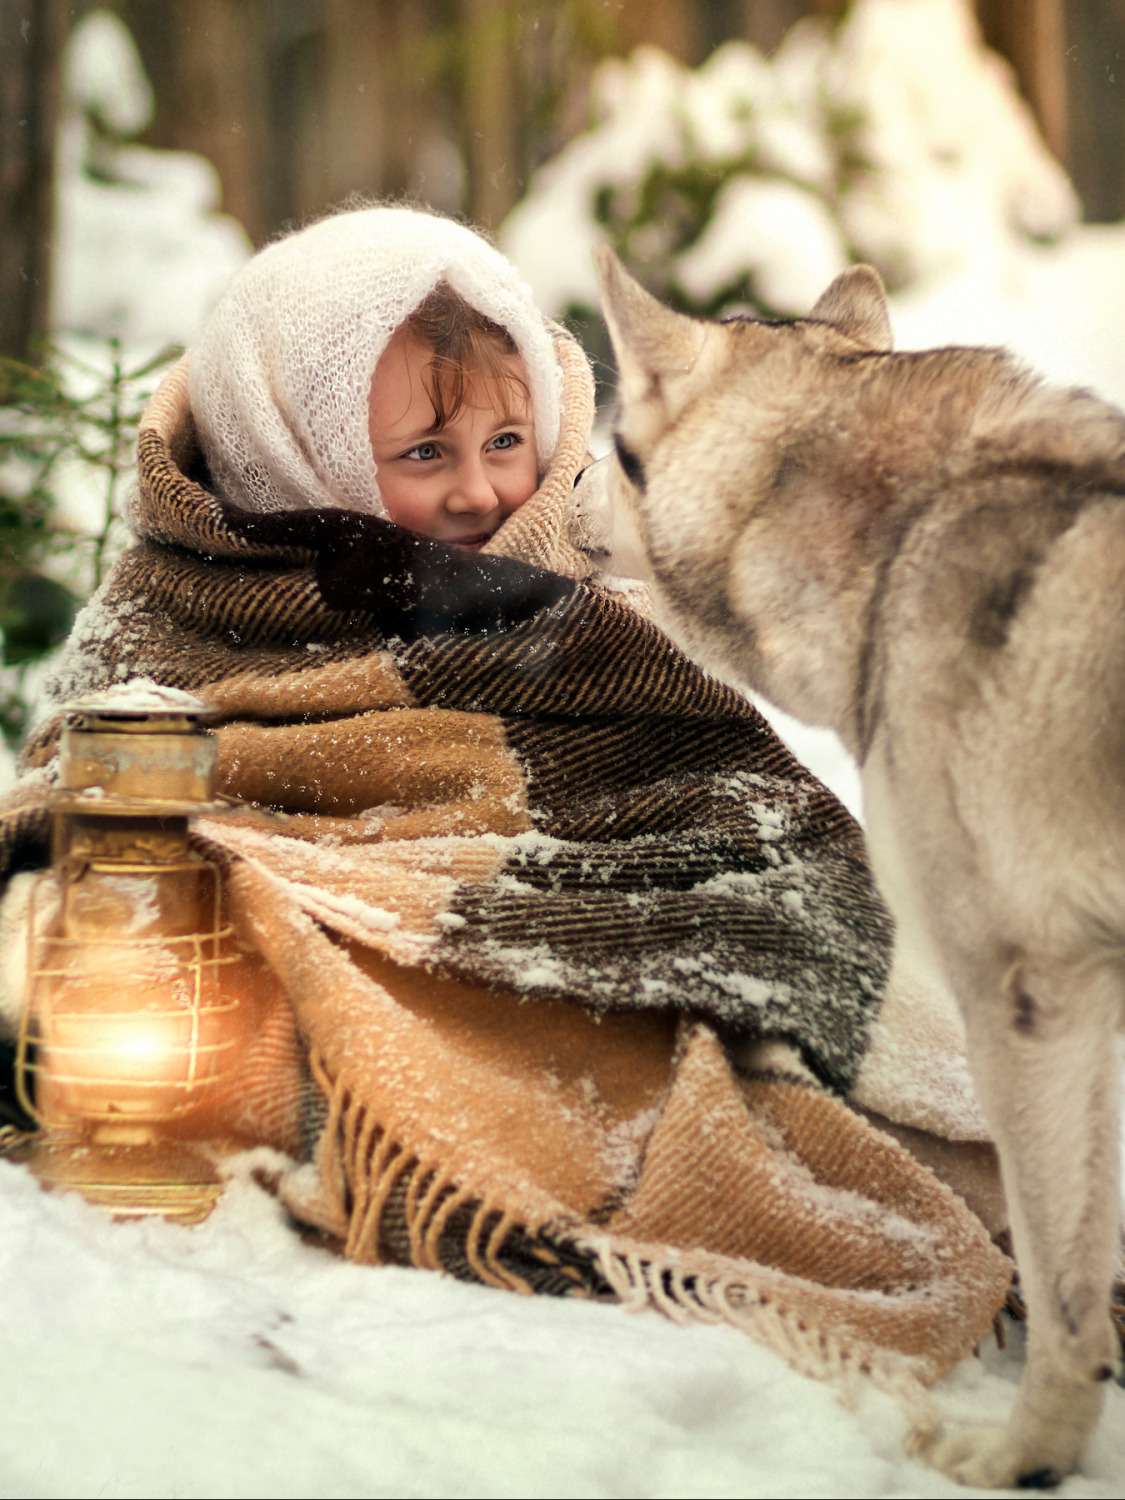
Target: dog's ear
x,y
655,347
856,304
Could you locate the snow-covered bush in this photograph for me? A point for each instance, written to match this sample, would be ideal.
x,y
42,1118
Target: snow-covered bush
x,y
894,138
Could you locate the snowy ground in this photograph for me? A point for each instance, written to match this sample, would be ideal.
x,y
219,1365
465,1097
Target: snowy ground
x,y
232,1359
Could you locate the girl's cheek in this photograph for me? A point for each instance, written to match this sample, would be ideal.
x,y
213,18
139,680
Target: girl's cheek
x,y
523,480
407,504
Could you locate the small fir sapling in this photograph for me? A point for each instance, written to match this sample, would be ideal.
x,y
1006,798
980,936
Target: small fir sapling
x,y
68,425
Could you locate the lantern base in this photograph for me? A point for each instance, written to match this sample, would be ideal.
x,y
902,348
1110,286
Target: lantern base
x,y
131,1182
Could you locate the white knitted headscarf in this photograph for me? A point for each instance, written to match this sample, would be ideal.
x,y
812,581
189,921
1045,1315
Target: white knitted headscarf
x,y
280,379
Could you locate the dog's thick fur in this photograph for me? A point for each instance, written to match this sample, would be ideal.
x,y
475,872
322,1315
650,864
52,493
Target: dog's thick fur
x,y
926,552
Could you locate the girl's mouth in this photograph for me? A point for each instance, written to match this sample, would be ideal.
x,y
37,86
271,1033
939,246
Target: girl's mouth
x,y
473,543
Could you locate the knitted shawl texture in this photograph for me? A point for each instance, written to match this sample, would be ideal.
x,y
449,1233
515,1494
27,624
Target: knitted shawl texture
x,y
538,876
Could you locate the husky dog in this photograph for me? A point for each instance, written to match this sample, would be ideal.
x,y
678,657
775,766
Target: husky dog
x,y
926,552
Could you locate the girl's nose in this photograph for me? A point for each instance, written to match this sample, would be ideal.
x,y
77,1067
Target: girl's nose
x,y
471,492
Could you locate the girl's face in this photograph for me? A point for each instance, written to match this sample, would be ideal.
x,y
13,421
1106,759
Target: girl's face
x,y
460,482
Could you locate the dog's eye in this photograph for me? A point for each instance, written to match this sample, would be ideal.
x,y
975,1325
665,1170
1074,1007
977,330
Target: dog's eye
x,y
634,469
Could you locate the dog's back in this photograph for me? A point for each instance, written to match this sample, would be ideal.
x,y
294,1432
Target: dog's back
x,y
996,668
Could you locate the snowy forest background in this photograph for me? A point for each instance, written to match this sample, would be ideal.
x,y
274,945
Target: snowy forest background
x,y
736,153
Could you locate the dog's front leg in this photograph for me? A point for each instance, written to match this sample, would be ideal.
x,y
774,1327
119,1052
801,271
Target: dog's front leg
x,y
1046,1072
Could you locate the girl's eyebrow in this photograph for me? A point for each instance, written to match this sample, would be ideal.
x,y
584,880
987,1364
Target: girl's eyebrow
x,y
411,435
509,420
393,445
432,434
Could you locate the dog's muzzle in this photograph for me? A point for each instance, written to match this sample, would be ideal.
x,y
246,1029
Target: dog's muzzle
x,y
590,516
602,529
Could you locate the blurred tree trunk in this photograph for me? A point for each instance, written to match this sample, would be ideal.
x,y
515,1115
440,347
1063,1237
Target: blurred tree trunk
x,y
691,29
1031,34
31,39
359,37
1095,61
209,73
670,24
391,119
303,104
490,129
767,21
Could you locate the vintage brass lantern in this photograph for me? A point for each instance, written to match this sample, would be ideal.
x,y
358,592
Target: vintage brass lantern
x,y
129,1032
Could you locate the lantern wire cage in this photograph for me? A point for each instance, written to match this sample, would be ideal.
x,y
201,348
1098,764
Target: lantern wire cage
x,y
209,1053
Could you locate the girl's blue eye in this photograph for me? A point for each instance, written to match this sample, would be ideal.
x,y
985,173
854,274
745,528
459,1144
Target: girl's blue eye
x,y
423,451
505,440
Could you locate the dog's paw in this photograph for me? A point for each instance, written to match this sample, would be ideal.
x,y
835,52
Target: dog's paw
x,y
987,1458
